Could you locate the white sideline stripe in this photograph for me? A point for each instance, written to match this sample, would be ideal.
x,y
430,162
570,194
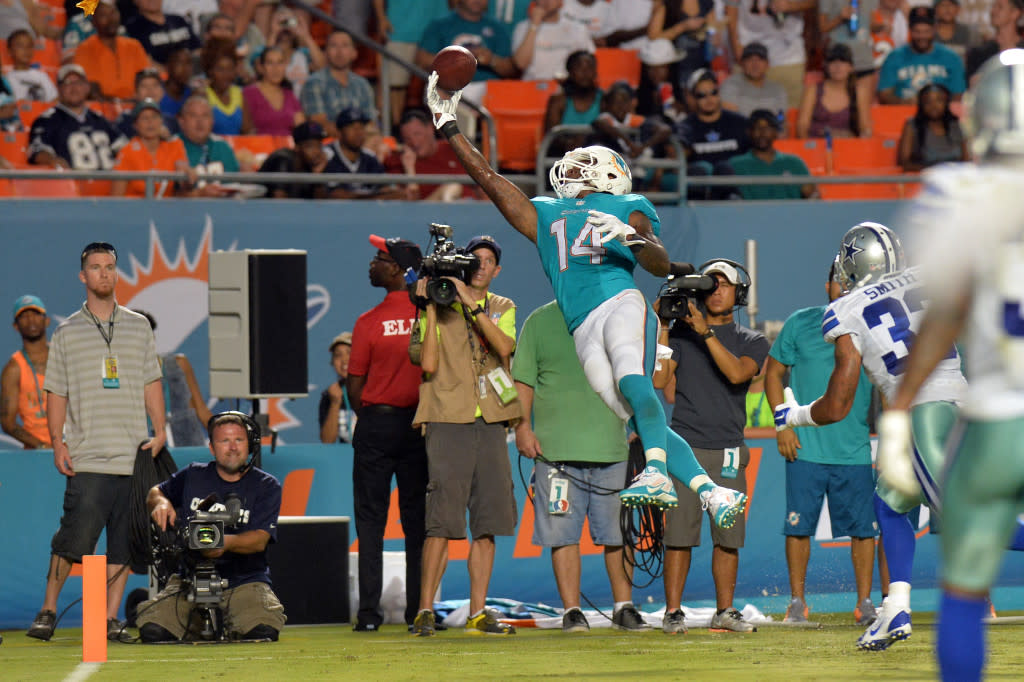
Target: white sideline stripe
x,y
82,672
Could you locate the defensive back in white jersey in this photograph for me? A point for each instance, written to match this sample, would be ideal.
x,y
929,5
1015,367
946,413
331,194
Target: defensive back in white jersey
x,y
882,321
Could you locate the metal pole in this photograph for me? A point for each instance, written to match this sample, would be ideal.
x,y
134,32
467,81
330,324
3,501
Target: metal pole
x,y
750,247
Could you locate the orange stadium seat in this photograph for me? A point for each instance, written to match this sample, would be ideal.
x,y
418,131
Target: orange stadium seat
x,y
252,150
13,148
52,189
864,152
866,190
887,119
518,109
29,111
615,64
812,151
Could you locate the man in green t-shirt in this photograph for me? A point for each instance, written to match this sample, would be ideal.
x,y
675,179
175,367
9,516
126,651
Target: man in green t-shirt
x,y
762,159
833,460
579,448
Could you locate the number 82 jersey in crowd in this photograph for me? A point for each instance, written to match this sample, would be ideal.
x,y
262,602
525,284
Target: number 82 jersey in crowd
x,y
87,142
882,320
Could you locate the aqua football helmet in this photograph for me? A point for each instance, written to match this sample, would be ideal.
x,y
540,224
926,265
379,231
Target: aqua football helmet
x,y
868,252
994,106
598,169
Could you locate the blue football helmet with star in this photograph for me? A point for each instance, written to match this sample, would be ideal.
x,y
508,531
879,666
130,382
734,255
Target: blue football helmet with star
x,y
868,252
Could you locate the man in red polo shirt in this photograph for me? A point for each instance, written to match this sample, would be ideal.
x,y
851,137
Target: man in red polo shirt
x,y
383,387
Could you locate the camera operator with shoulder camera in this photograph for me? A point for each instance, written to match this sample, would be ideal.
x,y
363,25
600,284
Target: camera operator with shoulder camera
x,y
249,606
713,361
467,401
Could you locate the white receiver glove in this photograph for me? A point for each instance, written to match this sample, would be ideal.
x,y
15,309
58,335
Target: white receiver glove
x,y
894,458
609,227
790,413
442,109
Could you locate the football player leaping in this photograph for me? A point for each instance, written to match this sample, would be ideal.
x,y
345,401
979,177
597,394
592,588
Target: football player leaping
x,y
971,218
875,324
590,239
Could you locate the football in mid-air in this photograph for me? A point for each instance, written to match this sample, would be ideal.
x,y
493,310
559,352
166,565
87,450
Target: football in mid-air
x,y
455,66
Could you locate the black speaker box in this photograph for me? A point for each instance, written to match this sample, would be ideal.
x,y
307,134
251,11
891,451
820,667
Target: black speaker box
x,y
309,568
277,323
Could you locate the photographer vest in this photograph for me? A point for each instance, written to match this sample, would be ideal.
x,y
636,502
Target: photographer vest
x,y
451,395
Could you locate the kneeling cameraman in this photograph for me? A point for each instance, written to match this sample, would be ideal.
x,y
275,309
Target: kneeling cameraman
x,y
250,608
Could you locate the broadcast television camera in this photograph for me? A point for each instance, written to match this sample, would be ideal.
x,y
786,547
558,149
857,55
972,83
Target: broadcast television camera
x,y
179,551
445,259
682,286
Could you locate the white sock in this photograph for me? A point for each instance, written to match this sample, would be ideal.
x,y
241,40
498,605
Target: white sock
x,y
899,596
476,614
697,481
655,454
619,606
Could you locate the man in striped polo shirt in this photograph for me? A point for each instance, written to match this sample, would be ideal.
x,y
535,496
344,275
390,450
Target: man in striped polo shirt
x,y
102,379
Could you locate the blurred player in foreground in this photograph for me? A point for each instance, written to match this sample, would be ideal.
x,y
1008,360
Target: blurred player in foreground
x,y
590,239
970,218
875,324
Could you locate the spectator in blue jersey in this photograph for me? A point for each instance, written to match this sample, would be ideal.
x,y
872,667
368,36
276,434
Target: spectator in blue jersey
x,y
160,33
348,155
251,609
710,135
921,61
147,86
71,135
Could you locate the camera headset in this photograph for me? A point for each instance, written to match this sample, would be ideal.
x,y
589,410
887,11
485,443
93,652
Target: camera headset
x,y
742,288
253,434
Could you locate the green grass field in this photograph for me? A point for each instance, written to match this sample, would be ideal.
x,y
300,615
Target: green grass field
x,y
335,653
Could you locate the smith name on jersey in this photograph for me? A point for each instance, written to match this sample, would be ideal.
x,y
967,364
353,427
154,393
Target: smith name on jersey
x,y
882,320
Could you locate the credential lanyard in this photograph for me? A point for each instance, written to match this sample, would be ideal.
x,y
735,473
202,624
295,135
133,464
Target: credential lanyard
x,y
108,336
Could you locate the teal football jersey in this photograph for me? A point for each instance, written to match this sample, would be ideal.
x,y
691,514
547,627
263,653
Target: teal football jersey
x,y
583,272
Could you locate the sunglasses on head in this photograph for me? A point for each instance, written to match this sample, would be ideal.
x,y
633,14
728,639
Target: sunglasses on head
x,y
95,247
708,93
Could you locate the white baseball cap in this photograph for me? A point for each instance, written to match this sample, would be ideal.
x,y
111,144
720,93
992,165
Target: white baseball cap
x,y
730,272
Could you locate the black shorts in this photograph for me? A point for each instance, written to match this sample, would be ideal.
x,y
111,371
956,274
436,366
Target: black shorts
x,y
93,502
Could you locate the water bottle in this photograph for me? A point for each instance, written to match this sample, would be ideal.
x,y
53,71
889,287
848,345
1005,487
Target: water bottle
x,y
709,46
854,18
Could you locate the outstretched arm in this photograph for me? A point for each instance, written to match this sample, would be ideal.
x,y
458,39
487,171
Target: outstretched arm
x,y
842,385
509,199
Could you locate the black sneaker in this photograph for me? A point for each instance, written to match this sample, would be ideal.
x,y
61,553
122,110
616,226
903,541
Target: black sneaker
x,y
628,618
116,631
573,620
43,626
366,627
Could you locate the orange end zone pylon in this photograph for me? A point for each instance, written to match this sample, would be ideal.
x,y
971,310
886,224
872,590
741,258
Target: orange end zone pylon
x,y
94,609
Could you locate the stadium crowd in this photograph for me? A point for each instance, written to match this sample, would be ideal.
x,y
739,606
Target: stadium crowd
x,y
666,76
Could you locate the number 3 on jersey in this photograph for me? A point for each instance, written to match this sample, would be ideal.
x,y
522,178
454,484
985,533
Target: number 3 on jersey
x,y
586,243
901,330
